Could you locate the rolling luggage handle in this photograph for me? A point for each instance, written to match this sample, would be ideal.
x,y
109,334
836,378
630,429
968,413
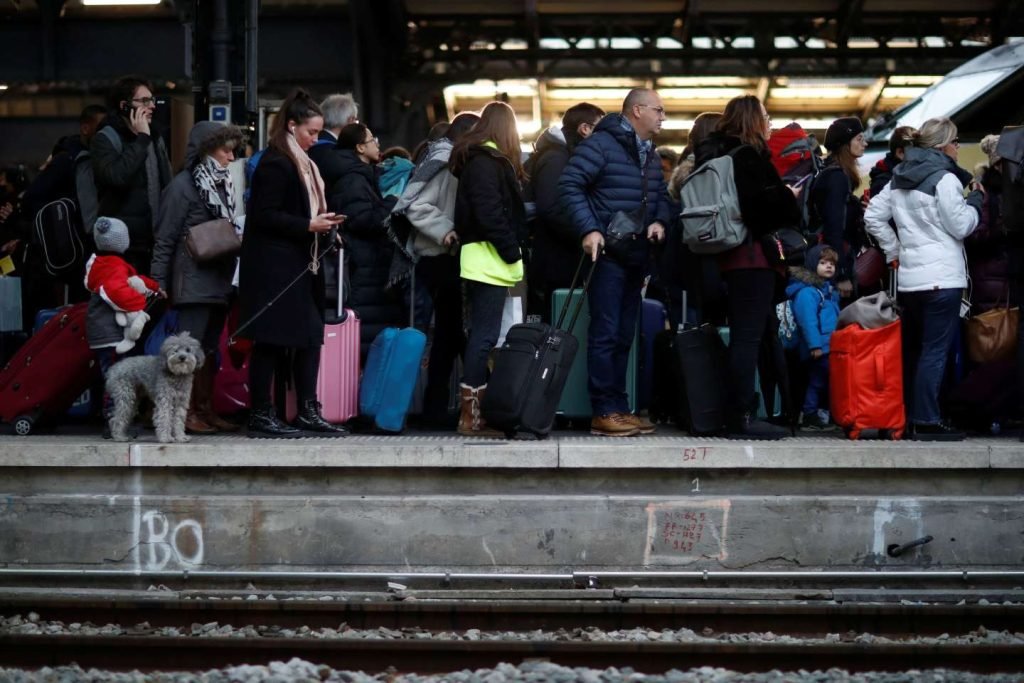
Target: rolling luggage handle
x,y
572,290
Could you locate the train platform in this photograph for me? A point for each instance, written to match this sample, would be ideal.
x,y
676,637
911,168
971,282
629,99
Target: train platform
x,y
430,502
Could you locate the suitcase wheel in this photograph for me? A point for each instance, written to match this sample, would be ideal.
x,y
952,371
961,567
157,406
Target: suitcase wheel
x,y
896,434
852,434
23,425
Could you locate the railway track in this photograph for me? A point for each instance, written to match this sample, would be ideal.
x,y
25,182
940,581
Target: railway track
x,y
425,630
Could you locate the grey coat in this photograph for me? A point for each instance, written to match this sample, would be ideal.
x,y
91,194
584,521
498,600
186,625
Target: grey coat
x,y
186,281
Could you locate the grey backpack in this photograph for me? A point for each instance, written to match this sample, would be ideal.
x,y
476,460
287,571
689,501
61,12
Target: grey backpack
x,y
711,217
85,181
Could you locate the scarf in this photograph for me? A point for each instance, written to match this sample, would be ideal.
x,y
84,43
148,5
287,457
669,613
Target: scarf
x,y
310,175
153,179
213,182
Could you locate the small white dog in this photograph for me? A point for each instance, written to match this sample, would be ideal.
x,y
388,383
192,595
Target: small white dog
x,y
166,379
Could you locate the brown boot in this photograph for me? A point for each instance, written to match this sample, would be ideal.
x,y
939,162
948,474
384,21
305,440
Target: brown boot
x,y
202,389
194,424
470,422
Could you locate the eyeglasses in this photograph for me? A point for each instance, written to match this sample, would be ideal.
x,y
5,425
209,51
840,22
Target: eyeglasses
x,y
955,142
375,140
144,101
660,111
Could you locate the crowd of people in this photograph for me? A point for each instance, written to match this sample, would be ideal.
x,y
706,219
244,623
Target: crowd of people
x,y
450,228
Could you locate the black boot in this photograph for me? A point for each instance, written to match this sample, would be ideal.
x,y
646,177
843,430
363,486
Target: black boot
x,y
309,419
744,426
263,424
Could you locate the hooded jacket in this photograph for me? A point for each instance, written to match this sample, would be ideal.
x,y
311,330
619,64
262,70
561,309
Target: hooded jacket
x,y
489,204
925,199
556,246
881,173
181,207
604,176
815,304
429,201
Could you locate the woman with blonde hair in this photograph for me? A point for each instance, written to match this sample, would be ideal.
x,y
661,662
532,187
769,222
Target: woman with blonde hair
x,y
925,200
490,221
286,219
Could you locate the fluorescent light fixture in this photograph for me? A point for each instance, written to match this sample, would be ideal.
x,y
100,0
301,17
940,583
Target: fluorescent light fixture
x,y
595,83
668,44
903,93
703,82
914,80
4,86
700,93
119,3
823,93
586,94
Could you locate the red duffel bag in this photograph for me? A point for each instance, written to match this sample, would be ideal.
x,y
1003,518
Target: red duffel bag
x,y
866,380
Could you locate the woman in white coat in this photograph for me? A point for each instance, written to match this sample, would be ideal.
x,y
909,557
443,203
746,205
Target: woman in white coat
x,y
926,201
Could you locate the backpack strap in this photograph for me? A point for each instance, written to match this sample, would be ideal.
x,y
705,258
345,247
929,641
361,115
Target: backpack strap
x,y
115,139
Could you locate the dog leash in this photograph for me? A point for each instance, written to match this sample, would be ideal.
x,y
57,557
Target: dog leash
x,y
311,267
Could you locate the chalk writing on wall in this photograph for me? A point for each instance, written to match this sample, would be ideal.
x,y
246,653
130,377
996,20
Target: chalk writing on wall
x,y
680,532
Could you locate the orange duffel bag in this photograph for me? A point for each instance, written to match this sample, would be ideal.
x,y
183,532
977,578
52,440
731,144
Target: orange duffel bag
x,y
866,380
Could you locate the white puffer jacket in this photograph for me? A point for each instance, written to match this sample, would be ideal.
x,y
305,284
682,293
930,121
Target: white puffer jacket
x,y
926,201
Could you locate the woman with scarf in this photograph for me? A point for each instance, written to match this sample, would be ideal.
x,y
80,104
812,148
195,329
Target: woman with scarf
x,y
200,292
287,224
432,248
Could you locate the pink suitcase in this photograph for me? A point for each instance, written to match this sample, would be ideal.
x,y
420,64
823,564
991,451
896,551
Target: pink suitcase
x,y
337,386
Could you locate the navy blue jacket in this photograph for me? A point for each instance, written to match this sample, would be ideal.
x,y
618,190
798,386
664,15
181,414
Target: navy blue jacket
x,y
603,176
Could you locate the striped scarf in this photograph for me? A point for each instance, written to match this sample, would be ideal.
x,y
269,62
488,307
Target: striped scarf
x,y
209,177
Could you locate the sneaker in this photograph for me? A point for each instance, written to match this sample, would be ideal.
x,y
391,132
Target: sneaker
x,y
937,432
613,424
817,422
644,425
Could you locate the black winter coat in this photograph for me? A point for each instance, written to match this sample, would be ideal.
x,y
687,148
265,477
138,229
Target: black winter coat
x,y
840,216
368,251
327,157
121,184
489,205
275,249
556,242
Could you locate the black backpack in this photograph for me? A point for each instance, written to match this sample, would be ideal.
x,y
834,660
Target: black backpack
x,y
1011,152
57,235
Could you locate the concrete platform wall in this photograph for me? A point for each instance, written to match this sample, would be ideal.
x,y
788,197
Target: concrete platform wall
x,y
571,504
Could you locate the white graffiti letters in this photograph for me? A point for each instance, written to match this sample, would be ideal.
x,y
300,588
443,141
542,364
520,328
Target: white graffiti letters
x,y
183,543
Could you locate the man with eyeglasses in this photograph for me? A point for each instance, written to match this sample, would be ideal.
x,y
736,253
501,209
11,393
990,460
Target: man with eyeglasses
x,y
615,175
130,166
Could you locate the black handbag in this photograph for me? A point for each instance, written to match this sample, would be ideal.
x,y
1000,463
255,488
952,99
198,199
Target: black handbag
x,y
625,238
784,247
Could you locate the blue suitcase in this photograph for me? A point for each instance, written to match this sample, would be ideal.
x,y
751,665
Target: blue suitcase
x,y
392,368
653,321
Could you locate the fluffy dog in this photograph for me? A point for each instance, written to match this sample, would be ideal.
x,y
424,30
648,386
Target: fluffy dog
x,y
166,379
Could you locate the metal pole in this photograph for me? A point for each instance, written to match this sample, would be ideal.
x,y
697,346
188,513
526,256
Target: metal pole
x,y
252,11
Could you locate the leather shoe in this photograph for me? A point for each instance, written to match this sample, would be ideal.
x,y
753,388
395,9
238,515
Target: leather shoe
x,y
744,426
264,424
644,425
196,425
613,424
309,419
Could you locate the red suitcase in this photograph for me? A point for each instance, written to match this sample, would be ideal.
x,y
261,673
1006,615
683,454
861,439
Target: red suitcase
x,y
230,384
866,380
48,373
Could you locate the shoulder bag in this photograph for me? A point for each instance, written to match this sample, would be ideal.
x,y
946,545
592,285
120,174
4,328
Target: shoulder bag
x,y
212,240
625,239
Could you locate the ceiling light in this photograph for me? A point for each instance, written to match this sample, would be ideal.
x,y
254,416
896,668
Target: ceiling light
x,y
119,3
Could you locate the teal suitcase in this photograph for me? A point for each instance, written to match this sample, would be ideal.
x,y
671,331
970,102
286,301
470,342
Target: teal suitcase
x,y
575,401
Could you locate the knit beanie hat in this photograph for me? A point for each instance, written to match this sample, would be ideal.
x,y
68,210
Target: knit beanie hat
x,y
842,131
111,234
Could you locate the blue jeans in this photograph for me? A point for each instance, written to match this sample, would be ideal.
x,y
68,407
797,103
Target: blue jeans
x,y
930,320
614,306
817,385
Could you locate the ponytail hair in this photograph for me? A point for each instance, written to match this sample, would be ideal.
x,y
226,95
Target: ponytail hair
x,y
935,133
297,108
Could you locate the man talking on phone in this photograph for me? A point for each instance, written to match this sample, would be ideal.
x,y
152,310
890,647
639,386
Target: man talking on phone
x,y
130,166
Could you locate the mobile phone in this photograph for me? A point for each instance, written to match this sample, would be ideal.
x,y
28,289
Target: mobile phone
x,y
126,109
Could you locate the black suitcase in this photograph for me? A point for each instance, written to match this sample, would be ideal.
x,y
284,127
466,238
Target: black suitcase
x,y
691,378
530,372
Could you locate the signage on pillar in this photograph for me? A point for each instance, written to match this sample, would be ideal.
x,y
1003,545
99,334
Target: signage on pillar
x,y
220,112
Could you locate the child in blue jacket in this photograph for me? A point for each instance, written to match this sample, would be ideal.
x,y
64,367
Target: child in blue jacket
x,y
815,304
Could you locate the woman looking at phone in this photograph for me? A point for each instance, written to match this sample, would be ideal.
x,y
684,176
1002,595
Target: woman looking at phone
x,y
286,230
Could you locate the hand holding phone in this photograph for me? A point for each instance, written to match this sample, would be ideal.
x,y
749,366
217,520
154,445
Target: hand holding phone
x,y
138,121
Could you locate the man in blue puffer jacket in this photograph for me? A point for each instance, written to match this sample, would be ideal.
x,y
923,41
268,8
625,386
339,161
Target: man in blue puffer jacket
x,y
605,176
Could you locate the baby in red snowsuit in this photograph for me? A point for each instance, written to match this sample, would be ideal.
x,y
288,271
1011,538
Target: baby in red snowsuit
x,y
118,283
